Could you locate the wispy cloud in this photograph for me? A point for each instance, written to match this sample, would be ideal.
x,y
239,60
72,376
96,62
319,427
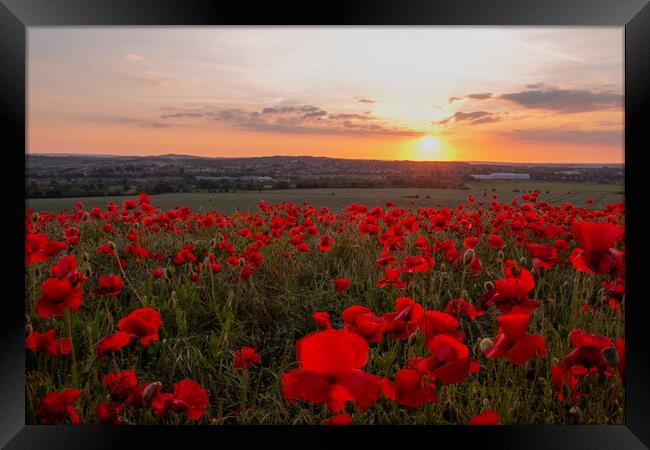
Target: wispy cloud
x,y
569,136
309,119
481,96
472,118
565,100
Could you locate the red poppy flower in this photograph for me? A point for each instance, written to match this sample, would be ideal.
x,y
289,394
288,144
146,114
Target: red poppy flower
x,y
587,357
56,407
470,242
391,276
142,324
184,256
488,417
340,419
329,373
244,357
39,248
595,254
404,319
48,344
542,256
120,384
112,343
360,320
437,322
322,320
475,265
325,243
105,249
510,294
513,341
449,361
409,388
110,285
189,398
462,308
108,413
341,284
66,265
71,235
157,273
57,294
108,228
495,241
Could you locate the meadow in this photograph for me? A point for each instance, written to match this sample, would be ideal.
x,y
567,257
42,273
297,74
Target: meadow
x,y
369,307
338,199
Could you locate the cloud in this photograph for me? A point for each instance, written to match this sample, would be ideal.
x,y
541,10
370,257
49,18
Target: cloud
x,y
473,118
181,114
488,119
569,136
565,100
156,125
133,57
308,119
366,100
481,96
453,99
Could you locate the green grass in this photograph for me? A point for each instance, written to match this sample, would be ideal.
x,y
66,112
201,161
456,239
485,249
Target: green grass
x,y
337,199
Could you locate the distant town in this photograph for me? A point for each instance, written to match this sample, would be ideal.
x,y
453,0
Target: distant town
x,y
52,176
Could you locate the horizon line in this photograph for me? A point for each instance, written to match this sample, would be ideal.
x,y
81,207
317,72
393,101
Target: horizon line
x,y
316,156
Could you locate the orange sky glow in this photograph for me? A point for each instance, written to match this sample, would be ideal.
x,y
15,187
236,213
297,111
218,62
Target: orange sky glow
x,y
510,94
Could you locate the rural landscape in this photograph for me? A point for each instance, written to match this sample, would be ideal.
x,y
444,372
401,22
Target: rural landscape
x,y
237,234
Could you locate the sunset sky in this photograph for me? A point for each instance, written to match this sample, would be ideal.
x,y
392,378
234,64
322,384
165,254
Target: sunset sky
x,y
512,94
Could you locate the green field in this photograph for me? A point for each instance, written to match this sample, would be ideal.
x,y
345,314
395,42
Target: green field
x,y
337,199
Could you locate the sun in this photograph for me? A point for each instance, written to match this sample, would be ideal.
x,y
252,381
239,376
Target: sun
x,y
428,147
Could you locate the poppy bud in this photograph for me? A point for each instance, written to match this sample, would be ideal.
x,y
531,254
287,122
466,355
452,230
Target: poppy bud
x,y
485,344
85,216
29,328
522,261
35,217
241,262
488,285
555,361
149,391
443,267
468,256
611,356
574,411
213,242
464,294
172,298
37,272
86,257
412,338
112,245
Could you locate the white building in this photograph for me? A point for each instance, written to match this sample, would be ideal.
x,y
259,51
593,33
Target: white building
x,y
502,176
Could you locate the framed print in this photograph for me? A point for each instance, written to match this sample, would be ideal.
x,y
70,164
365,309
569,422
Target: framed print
x,y
389,221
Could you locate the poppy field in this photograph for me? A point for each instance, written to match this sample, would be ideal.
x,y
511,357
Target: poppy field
x,y
489,312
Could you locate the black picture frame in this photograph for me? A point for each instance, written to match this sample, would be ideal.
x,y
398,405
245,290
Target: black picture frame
x,y
17,15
